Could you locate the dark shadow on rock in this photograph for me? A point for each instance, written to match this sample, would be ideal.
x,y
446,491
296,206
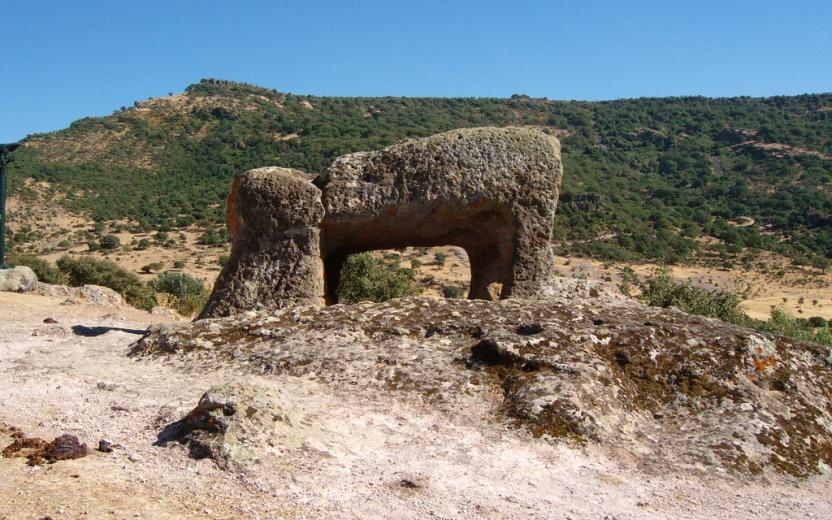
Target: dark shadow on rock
x,y
174,431
91,332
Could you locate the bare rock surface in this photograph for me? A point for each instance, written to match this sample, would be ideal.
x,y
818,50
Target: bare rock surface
x,y
84,295
18,279
663,386
348,451
236,424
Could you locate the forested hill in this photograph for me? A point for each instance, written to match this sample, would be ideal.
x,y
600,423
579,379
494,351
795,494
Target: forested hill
x,y
645,178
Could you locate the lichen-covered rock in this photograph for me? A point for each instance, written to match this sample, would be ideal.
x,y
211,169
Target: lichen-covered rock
x,y
491,191
236,424
18,279
274,216
671,389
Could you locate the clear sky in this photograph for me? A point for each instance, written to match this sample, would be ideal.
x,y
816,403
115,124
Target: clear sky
x,y
66,59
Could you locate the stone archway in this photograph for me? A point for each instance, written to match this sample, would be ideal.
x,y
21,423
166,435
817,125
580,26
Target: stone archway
x,y
491,191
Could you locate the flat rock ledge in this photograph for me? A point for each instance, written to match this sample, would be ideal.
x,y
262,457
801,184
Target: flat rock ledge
x,y
661,387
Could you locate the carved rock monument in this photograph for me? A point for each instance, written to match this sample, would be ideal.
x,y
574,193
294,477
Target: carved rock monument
x,y
491,191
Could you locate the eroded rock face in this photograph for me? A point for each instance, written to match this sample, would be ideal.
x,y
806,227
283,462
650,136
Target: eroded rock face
x,y
491,191
669,389
274,216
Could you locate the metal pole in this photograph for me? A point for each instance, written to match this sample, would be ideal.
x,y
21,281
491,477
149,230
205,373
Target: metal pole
x,y
2,216
5,158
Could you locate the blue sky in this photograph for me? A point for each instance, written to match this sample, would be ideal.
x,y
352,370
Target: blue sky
x,y
63,60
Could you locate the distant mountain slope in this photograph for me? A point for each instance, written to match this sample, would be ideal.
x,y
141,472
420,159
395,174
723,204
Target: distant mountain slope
x,y
644,178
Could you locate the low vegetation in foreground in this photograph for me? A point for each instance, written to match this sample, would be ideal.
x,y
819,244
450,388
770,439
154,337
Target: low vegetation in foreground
x,y
182,291
661,290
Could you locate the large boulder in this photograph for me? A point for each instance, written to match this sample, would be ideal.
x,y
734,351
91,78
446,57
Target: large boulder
x,y
18,279
491,191
274,216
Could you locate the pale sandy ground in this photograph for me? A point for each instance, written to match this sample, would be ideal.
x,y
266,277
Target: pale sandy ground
x,y
73,377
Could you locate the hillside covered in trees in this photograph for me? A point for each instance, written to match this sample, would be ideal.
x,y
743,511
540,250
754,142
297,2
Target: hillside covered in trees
x,y
644,178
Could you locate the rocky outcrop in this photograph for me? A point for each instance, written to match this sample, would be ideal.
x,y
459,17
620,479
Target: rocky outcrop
x,y
234,425
274,216
669,389
18,279
491,191
84,295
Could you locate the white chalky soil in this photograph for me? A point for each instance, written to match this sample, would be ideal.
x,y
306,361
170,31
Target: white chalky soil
x,y
353,458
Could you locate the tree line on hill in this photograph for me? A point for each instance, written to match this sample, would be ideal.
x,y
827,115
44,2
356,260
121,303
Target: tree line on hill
x,y
644,178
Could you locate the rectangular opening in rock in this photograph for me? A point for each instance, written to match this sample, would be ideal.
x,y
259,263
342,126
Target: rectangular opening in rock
x,y
437,272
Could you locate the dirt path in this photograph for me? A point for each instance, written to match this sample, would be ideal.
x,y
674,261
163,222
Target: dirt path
x,y
354,459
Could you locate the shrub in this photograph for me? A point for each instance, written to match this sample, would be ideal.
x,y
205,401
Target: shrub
x,y
439,259
189,293
415,264
215,238
366,278
153,267
88,271
110,242
143,244
817,322
660,290
453,291
178,264
93,245
46,272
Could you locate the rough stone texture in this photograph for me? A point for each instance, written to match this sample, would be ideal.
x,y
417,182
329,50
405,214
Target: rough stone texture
x,y
274,216
235,424
18,279
491,191
84,295
668,389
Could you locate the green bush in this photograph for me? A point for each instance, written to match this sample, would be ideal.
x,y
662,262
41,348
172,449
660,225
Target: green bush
x,y
178,264
818,322
110,242
189,293
143,244
439,259
453,291
88,271
365,278
46,272
660,290
153,267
